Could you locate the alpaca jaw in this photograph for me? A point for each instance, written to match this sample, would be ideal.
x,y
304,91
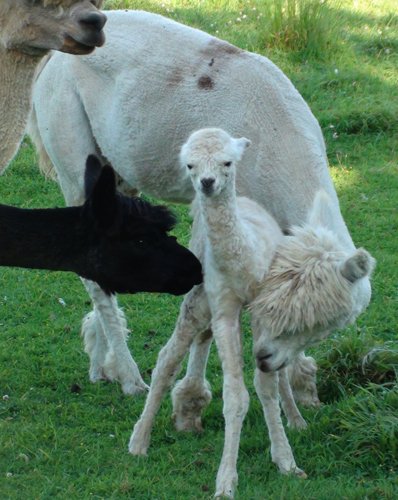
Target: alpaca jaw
x,y
274,354
33,29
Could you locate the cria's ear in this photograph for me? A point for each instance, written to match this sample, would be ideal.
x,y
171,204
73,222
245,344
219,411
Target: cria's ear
x,y
321,213
242,144
358,266
103,198
183,152
91,174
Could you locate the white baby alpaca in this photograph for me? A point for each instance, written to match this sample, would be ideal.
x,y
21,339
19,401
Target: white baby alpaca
x,y
238,240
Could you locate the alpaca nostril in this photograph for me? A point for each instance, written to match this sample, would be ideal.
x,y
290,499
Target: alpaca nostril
x,y
263,364
96,19
207,183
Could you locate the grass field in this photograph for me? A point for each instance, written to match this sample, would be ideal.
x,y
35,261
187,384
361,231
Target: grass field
x,y
62,437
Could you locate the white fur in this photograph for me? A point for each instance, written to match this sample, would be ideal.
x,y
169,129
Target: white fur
x,y
309,291
298,285
156,81
238,239
302,379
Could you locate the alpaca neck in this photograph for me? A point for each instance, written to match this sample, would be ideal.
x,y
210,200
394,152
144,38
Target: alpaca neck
x,y
17,73
53,239
222,222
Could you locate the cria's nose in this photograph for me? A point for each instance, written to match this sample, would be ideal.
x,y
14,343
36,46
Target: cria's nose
x,y
207,183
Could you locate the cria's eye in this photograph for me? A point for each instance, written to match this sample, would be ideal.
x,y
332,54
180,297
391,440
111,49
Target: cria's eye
x,y
227,163
190,167
142,243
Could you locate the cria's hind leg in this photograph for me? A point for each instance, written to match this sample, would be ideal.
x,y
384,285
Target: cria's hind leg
x,y
192,394
302,379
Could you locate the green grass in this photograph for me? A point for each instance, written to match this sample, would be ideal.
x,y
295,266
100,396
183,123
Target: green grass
x,y
62,444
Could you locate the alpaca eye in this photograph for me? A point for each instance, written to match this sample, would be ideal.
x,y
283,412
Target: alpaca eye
x,y
227,163
190,167
142,243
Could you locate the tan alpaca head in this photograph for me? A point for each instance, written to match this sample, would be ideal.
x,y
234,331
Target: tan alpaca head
x,y
34,27
310,290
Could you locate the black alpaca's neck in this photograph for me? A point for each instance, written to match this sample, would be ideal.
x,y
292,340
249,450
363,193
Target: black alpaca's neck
x,y
54,239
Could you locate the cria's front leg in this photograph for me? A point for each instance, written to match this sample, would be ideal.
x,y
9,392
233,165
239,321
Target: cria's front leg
x,y
192,394
118,363
194,318
266,385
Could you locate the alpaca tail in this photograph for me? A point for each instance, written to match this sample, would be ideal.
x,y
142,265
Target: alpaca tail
x,y
45,164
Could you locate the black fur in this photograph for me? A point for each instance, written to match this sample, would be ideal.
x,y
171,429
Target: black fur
x,y
119,242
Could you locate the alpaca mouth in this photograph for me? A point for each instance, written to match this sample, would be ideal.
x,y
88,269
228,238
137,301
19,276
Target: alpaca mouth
x,y
72,46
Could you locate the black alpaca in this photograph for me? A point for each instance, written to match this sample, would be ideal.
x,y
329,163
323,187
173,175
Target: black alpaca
x,y
119,242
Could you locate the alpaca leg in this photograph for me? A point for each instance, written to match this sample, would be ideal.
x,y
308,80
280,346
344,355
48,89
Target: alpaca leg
x,y
119,363
266,385
228,336
193,319
192,394
302,378
96,345
103,361
293,415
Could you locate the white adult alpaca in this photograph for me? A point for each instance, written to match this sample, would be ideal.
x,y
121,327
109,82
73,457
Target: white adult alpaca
x,y
137,100
28,30
241,245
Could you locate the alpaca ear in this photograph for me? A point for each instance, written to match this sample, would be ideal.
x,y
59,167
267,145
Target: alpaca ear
x,y
182,154
91,174
242,144
358,266
321,213
103,198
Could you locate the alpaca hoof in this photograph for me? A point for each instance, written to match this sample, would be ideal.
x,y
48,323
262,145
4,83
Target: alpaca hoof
x,y
298,423
136,447
137,450
227,479
96,374
308,401
135,388
223,494
226,491
190,397
186,424
300,473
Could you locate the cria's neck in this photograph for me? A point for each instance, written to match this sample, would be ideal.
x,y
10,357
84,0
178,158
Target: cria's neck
x,y
221,219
